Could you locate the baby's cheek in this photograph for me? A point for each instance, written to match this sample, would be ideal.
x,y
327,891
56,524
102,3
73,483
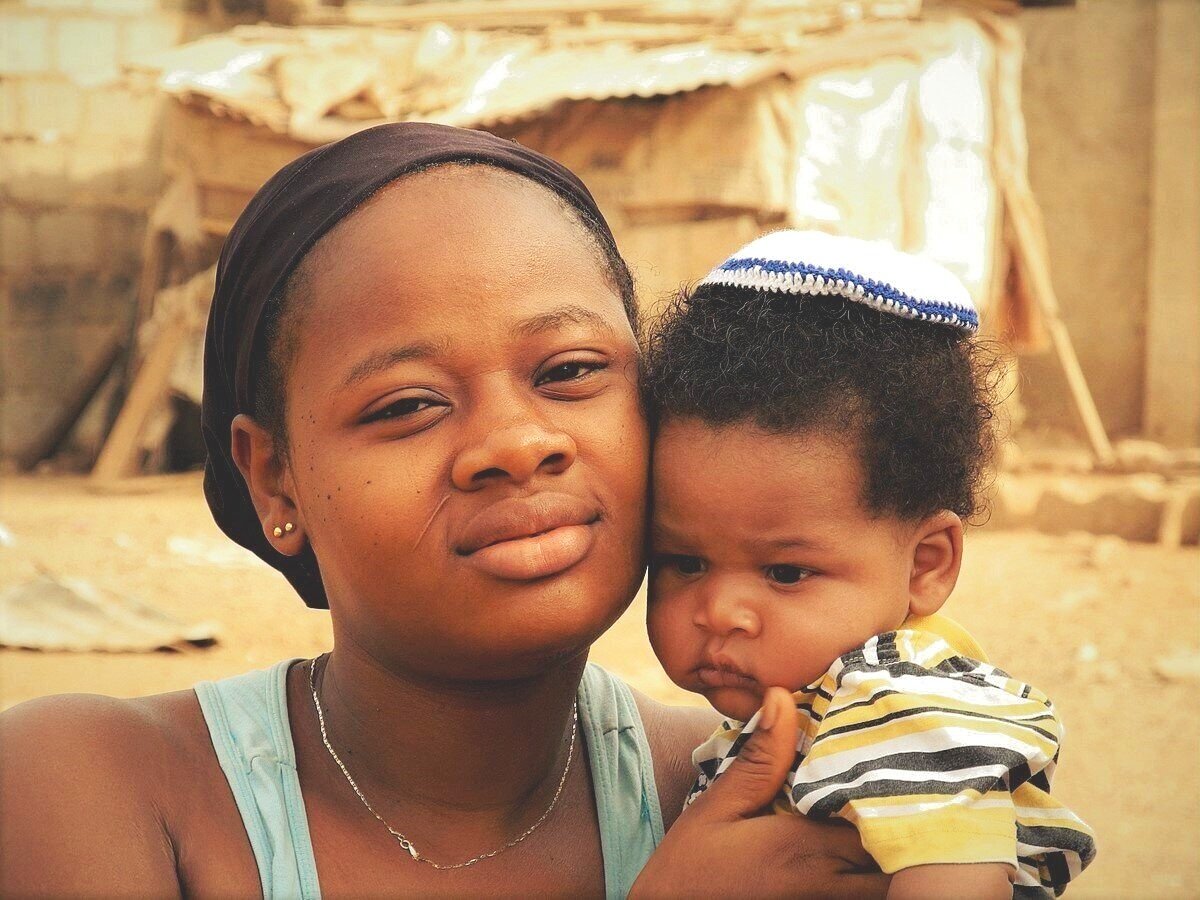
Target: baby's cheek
x,y
665,625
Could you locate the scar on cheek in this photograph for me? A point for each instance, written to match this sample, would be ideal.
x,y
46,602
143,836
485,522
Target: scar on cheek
x,y
433,515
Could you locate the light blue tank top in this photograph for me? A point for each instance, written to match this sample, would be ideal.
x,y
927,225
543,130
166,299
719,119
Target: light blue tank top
x,y
248,720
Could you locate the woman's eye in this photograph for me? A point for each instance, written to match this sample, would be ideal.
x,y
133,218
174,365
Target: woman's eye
x,y
787,574
569,371
681,565
402,408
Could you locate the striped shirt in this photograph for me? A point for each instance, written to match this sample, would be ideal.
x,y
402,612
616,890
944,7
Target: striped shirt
x,y
932,754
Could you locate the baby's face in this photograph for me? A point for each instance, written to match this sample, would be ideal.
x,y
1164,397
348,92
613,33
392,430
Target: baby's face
x,y
764,566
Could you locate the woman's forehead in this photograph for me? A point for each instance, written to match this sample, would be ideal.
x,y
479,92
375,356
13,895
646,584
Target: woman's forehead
x,y
453,228
454,262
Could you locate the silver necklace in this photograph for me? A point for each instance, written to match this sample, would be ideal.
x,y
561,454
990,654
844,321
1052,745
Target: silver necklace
x,y
403,841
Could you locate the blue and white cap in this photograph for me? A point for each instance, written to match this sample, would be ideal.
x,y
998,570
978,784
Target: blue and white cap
x,y
869,272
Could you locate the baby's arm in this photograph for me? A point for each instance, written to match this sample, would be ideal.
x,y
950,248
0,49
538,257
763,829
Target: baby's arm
x,y
922,758
975,881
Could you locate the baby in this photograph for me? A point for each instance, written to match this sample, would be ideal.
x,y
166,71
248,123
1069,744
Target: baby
x,y
823,426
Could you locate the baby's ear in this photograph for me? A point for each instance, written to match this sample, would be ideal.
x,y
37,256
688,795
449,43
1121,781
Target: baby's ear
x,y
937,546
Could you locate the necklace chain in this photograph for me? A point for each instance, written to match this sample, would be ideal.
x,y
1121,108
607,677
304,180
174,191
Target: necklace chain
x,y
401,839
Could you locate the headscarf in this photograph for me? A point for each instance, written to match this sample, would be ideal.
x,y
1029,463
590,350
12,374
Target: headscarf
x,y
288,215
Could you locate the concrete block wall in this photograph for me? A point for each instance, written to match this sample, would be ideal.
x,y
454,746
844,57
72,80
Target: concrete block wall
x,y
79,172
1113,115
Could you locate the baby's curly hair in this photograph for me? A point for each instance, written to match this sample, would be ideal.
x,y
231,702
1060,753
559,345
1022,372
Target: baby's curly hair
x,y
917,399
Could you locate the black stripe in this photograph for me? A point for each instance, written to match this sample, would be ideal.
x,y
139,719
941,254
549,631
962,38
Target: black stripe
x,y
1055,866
1041,779
835,801
1017,776
971,676
858,704
1060,838
886,649
920,710
959,665
950,759
1029,892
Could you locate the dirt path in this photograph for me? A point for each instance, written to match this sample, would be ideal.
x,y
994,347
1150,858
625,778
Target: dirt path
x,y
1085,620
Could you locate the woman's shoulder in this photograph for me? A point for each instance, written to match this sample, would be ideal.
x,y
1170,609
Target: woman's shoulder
x,y
94,794
106,733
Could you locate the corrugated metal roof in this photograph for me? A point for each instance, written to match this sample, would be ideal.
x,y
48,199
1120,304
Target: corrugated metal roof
x,y
318,83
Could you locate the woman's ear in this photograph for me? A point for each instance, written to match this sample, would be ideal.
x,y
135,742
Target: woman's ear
x,y
936,561
268,476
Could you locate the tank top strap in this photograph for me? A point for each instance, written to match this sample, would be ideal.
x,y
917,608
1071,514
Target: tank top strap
x,y
248,721
247,718
627,807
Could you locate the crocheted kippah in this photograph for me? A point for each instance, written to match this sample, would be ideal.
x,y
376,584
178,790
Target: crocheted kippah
x,y
868,272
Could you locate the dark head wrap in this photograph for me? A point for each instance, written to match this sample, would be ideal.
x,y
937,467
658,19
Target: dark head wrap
x,y
283,221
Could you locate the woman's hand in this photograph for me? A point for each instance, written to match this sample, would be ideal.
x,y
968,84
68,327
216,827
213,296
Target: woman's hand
x,y
724,845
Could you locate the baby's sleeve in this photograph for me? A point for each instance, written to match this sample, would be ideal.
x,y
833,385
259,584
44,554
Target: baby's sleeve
x,y
922,756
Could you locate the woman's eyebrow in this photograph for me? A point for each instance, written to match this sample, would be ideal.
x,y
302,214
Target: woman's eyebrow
x,y
568,314
383,360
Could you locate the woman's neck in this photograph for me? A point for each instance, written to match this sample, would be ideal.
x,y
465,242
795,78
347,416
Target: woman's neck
x,y
497,750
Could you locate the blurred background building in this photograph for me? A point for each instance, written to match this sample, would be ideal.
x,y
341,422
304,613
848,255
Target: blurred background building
x,y
1046,151
133,131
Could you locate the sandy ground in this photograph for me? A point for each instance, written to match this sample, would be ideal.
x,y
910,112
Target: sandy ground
x,y
1087,620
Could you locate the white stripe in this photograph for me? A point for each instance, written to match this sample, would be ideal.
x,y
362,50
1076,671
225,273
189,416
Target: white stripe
x,y
1028,876
940,685
932,741
964,799
1037,812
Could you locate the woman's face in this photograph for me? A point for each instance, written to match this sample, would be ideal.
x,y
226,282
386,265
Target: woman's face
x,y
468,455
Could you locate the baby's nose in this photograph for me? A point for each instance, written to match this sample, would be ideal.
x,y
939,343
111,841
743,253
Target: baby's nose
x,y
726,608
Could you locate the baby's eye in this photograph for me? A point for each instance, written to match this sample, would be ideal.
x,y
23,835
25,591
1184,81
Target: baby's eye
x,y
787,574
680,564
569,371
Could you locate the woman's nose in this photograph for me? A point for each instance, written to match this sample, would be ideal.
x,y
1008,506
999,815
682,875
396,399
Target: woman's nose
x,y
724,609
514,452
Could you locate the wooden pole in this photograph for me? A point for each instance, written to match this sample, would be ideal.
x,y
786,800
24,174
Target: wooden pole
x,y
118,457
1031,244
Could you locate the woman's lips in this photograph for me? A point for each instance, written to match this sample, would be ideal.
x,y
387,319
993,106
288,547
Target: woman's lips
x,y
524,538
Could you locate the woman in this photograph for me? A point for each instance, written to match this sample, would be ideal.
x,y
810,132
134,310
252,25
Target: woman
x,y
421,406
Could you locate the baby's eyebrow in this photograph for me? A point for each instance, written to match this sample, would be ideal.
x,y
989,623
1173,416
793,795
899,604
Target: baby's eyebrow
x,y
788,543
568,314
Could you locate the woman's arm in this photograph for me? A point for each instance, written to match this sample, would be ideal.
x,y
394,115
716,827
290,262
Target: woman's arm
x,y
724,844
77,818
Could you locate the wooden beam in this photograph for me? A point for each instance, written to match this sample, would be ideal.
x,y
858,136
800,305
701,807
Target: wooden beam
x,y
118,457
1031,258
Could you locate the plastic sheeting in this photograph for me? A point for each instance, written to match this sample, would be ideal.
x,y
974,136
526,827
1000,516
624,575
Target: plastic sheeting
x,y
902,152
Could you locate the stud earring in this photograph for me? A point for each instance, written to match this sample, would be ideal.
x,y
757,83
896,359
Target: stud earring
x,y
287,527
